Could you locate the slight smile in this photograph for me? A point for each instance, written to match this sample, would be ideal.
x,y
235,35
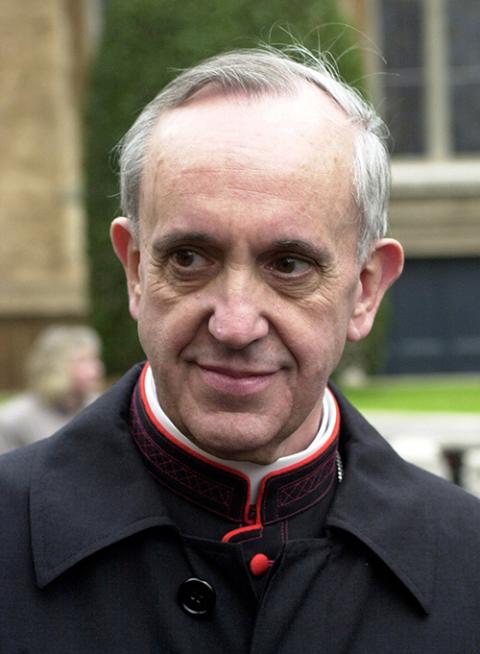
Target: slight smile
x,y
232,381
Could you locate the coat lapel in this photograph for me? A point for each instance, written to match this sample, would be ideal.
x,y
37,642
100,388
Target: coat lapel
x,y
90,488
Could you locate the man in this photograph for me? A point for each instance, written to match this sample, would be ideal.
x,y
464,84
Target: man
x,y
219,498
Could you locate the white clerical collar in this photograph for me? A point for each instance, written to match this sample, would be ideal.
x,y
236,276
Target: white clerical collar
x,y
255,471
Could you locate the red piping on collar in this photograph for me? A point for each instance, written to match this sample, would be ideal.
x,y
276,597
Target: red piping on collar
x,y
181,445
241,530
258,524
258,504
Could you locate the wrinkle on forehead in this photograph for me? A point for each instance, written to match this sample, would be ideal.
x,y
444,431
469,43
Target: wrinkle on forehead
x,y
254,146
314,119
302,117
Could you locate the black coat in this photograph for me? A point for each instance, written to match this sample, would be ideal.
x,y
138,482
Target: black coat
x,y
91,563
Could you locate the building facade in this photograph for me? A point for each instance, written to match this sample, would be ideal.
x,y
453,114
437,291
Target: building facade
x,y
43,269
423,67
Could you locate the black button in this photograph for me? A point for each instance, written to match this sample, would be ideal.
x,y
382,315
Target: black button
x,y
196,597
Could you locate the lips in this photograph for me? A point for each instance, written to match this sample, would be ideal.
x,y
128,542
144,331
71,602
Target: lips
x,y
236,372
235,381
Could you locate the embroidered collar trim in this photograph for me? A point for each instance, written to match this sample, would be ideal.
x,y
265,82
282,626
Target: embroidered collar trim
x,y
254,471
223,488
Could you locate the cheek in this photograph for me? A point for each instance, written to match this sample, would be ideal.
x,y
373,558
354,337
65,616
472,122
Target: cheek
x,y
166,326
317,337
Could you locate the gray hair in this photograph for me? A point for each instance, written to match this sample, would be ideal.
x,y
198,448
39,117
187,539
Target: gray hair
x,y
257,72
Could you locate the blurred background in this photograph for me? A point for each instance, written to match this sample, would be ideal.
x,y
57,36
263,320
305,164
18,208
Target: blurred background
x,y
75,73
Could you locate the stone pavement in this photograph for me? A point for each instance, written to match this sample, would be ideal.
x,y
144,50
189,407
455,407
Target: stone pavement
x,y
447,444
447,429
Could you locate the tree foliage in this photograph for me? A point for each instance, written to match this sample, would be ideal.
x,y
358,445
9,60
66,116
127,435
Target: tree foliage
x,y
144,43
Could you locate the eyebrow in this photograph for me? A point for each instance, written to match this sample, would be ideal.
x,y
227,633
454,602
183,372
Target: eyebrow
x,y
299,246
177,238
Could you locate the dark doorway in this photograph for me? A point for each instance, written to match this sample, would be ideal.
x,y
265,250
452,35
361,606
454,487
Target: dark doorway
x,y
435,324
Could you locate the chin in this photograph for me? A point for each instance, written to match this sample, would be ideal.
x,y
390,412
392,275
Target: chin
x,y
237,446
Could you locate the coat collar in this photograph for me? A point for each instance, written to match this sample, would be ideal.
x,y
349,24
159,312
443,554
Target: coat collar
x,y
89,486
383,503
90,489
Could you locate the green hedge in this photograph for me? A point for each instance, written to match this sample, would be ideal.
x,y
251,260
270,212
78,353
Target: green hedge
x,y
143,43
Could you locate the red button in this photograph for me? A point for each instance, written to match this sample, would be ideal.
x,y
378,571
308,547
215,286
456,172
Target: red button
x,y
259,564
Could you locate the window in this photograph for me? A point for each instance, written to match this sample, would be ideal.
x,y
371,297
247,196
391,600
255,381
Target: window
x,y
430,92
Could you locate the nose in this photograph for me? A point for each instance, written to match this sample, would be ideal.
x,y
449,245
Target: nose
x,y
237,319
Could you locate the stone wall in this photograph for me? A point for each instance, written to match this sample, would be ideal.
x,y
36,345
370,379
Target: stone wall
x,y
435,208
42,227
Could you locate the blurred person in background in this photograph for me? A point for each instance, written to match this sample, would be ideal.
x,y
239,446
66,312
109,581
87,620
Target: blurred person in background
x,y
64,373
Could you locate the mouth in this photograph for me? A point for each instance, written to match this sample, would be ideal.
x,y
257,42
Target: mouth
x,y
236,381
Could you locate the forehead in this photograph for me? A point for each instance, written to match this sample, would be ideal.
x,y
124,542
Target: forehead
x,y
290,148
307,116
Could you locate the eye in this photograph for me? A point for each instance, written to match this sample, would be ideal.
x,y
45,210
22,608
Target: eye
x,y
186,258
290,266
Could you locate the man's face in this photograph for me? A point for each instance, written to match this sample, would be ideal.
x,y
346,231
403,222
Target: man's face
x,y
245,282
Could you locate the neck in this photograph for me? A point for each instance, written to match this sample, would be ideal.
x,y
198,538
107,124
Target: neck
x,y
255,470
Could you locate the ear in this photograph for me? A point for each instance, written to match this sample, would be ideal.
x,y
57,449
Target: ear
x,y
382,268
125,245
